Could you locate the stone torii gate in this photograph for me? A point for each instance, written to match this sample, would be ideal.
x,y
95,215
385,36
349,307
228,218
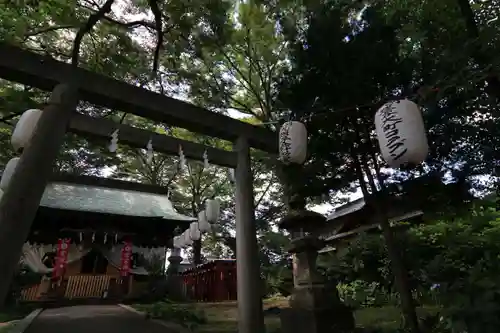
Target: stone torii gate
x,y
68,85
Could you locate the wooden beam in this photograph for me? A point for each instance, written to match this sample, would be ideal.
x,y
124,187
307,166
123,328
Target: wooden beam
x,y
43,72
138,138
108,183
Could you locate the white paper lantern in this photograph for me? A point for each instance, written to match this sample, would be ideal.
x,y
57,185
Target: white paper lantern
x,y
181,242
8,172
203,224
212,210
194,232
187,238
293,142
401,133
24,128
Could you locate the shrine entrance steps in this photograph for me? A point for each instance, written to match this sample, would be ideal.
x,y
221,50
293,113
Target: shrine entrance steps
x,y
93,319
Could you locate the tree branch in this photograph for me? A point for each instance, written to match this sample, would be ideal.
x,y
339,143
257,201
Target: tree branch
x,y
251,51
10,116
263,194
174,176
159,32
47,29
131,24
481,57
86,28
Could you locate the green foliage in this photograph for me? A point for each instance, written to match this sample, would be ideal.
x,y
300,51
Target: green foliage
x,y
360,294
415,51
452,264
182,314
215,53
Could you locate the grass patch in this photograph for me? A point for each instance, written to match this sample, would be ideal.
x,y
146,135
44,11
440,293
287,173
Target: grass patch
x,y
7,328
387,317
14,313
222,317
182,314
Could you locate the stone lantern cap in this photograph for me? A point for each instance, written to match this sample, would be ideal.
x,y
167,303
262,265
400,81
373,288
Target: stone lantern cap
x,y
302,219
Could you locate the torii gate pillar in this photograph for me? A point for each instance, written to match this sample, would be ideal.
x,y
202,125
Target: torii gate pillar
x,y
21,199
249,285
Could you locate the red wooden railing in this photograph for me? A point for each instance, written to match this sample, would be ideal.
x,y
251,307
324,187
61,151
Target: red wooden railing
x,y
211,282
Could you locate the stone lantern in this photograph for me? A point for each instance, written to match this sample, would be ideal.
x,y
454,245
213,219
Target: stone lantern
x,y
314,304
173,279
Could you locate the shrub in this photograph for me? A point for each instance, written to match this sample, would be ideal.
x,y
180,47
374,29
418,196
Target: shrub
x,y
459,255
182,314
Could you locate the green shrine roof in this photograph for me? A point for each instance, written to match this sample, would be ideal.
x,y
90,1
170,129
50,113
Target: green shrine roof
x,y
96,199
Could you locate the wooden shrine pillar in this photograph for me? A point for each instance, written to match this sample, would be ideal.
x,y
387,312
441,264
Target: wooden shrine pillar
x,y
250,316
21,199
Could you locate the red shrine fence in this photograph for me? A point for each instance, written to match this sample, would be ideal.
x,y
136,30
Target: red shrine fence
x,y
211,282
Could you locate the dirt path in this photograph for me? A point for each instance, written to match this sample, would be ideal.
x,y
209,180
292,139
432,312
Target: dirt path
x,y
93,319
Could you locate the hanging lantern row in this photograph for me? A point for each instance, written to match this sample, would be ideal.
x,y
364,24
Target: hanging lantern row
x,y
206,219
400,131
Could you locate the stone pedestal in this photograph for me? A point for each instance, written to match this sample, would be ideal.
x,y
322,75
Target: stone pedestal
x,y
174,281
314,305
298,320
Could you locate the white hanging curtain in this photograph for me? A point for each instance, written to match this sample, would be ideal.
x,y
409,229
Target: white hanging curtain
x,y
32,257
33,254
151,253
114,255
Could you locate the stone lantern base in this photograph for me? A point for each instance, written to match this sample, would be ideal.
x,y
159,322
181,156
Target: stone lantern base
x,y
174,282
315,306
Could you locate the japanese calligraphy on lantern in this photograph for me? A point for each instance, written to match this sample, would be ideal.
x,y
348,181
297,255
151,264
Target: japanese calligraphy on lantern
x,y
401,133
293,142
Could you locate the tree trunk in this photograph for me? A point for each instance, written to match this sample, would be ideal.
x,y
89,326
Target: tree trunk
x,y
478,54
399,271
197,243
400,277
197,252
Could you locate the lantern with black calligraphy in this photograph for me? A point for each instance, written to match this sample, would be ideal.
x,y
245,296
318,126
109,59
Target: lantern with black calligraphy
x,y
401,133
24,128
212,210
293,142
